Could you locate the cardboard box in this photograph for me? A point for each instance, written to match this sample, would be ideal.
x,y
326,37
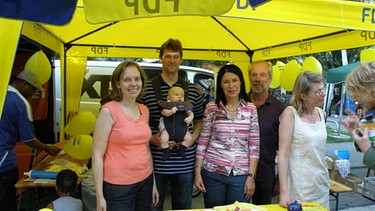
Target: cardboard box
x,y
353,181
369,187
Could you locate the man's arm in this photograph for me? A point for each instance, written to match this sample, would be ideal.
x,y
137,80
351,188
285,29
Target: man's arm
x,y
369,158
197,129
36,144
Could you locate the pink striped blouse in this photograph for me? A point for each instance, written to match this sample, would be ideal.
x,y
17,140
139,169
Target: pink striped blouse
x,y
227,145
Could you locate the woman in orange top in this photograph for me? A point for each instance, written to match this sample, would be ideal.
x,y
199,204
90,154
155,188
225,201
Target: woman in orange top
x,y
122,162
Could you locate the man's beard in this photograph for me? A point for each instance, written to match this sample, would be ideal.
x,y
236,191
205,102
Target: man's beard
x,y
258,89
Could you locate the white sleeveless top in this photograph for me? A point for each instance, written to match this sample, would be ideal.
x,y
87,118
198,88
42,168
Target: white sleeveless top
x,y
308,178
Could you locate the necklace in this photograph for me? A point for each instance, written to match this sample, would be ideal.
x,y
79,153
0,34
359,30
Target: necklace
x,y
232,110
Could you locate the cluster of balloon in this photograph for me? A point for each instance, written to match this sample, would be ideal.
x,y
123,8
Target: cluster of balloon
x,y
39,64
292,69
80,128
289,75
367,55
312,64
276,71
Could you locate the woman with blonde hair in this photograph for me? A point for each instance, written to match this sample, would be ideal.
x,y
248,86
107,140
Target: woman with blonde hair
x,y
302,139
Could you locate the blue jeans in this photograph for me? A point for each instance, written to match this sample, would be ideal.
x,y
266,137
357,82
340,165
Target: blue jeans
x,y
223,190
135,197
181,190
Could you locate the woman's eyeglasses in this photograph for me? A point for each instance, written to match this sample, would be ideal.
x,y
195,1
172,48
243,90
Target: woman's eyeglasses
x,y
320,92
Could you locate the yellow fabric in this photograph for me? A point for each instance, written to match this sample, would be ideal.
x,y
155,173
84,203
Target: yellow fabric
x,y
71,82
9,35
275,29
99,11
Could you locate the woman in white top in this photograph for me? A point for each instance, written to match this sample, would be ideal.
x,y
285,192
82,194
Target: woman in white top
x,y
302,139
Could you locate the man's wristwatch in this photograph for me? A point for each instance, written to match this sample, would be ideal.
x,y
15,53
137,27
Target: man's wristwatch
x,y
252,175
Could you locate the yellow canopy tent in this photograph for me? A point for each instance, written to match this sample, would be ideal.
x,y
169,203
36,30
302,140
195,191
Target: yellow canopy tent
x,y
275,29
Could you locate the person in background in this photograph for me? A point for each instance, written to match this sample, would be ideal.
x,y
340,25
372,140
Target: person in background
x,y
175,172
16,124
302,138
121,158
269,109
177,115
360,84
228,147
66,183
335,102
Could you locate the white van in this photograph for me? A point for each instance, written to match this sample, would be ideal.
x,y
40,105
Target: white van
x,y
97,82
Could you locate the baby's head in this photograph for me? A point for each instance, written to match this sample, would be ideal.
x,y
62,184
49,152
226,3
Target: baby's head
x,y
176,94
66,181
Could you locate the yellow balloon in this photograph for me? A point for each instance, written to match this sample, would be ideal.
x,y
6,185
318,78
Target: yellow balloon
x,y
276,71
312,64
40,64
367,55
79,147
289,75
81,124
46,209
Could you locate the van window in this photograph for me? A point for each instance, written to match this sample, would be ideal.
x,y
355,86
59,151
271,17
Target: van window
x,y
97,82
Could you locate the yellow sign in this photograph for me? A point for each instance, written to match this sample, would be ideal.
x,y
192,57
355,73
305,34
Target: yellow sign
x,y
99,11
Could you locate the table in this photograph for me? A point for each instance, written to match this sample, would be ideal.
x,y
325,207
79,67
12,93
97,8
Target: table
x,y
307,206
335,188
25,182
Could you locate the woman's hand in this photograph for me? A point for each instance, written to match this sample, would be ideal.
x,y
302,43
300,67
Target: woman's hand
x,y
198,182
155,195
101,204
249,187
351,122
284,200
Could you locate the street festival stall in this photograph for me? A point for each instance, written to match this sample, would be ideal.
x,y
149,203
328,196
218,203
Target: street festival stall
x,y
116,28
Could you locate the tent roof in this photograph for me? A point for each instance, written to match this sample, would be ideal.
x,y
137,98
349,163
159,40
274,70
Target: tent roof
x,y
276,29
338,75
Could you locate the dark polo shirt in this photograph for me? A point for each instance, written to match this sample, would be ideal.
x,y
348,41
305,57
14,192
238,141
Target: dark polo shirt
x,y
268,117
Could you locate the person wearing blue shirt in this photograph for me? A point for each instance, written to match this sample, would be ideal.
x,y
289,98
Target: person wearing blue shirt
x,y
16,124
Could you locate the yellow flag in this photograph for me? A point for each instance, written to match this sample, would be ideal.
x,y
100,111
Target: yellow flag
x,y
9,35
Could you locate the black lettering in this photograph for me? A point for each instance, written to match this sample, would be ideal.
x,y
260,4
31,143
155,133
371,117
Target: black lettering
x,y
99,50
266,52
365,14
368,35
176,5
364,35
305,46
133,4
244,6
223,54
156,6
88,85
93,49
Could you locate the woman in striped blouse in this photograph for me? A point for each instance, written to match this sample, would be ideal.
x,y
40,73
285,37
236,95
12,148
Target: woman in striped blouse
x,y
228,148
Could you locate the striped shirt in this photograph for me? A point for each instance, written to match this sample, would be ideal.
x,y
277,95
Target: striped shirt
x,y
227,145
175,164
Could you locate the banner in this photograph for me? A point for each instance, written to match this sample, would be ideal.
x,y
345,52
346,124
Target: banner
x,y
99,11
56,12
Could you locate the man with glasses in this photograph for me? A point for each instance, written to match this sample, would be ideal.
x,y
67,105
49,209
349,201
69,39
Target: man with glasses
x,y
16,124
176,172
